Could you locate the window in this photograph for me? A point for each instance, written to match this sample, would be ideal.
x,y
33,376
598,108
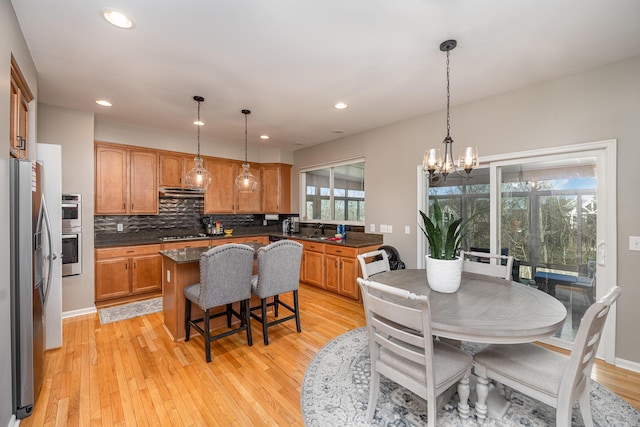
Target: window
x,y
334,193
554,211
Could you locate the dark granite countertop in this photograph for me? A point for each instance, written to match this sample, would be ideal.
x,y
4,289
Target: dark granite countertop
x,y
354,239
187,255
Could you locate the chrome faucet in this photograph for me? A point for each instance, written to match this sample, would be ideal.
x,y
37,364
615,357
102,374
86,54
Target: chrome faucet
x,y
321,227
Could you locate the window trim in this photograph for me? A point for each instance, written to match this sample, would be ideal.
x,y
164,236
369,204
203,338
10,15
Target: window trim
x,y
303,189
606,150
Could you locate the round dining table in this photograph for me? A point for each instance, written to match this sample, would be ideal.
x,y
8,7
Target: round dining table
x,y
485,309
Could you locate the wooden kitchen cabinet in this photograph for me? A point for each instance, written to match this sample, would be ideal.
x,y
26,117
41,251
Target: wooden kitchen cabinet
x,y
220,196
313,263
186,244
125,181
275,188
20,96
125,273
248,202
342,270
172,170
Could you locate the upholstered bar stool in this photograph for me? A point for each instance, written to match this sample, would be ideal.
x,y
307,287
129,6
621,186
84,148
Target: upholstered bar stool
x,y
225,278
278,273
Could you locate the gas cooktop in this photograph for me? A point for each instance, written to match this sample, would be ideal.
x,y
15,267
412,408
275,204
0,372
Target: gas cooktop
x,y
188,237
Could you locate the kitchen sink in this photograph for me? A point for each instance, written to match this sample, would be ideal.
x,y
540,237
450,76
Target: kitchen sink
x,y
315,236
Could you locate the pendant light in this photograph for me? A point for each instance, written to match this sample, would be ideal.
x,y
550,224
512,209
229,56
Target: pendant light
x,y
433,161
198,178
245,182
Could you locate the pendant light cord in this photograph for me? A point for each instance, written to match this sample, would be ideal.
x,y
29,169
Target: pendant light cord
x,y
245,139
198,129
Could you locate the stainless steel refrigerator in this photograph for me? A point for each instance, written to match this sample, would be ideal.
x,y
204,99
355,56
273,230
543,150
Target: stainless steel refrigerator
x,y
31,269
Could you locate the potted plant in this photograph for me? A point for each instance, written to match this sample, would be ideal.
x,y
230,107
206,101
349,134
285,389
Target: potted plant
x,y
444,234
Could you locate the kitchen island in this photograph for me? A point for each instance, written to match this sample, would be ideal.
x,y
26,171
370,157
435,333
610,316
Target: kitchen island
x,y
181,268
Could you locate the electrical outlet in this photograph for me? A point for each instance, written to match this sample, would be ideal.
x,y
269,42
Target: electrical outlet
x,y
634,243
383,228
372,228
120,227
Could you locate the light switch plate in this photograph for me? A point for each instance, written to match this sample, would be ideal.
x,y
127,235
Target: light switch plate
x,y
389,228
372,228
119,226
407,229
634,243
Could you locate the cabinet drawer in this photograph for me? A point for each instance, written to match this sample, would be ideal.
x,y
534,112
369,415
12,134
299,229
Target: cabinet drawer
x,y
313,246
340,251
127,251
184,245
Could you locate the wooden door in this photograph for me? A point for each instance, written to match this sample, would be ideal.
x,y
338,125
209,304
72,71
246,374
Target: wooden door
x,y
219,198
112,278
248,202
276,188
313,268
348,274
144,182
332,265
171,171
146,273
111,195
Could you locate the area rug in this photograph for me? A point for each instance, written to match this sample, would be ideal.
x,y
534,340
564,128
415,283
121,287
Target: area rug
x,y
335,392
127,311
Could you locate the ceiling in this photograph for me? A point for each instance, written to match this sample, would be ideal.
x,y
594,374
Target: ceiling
x,y
290,61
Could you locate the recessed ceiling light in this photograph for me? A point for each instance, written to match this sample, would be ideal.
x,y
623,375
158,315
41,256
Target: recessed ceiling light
x,y
341,106
103,102
198,123
264,136
117,18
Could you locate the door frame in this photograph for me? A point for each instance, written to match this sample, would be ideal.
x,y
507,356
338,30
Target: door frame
x,y
606,153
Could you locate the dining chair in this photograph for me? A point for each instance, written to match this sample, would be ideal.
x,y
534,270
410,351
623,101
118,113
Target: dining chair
x,y
379,262
548,376
278,273
225,278
485,263
401,349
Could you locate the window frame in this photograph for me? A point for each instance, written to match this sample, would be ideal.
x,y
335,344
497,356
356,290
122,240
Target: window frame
x,y
332,197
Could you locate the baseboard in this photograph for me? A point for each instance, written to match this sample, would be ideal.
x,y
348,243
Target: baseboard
x,y
627,364
13,421
80,312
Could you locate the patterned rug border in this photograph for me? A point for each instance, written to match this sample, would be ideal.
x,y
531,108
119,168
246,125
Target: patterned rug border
x,y
335,392
130,310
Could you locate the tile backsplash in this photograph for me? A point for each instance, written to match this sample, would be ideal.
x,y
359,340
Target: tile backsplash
x,y
174,214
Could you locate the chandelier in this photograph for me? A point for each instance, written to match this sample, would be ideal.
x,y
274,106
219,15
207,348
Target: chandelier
x,y
245,182
198,178
434,161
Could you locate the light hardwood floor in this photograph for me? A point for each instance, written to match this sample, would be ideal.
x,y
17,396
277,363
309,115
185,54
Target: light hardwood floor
x,y
130,373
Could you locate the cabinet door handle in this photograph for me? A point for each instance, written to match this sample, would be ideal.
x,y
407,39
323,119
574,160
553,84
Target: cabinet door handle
x,y
126,266
135,265
130,252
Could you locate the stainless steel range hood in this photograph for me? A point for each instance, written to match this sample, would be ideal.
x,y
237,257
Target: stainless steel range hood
x,y
180,192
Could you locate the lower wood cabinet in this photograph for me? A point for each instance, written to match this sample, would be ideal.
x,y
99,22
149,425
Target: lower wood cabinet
x,y
333,267
126,273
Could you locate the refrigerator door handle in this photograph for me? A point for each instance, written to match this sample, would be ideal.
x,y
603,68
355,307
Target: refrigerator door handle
x,y
44,215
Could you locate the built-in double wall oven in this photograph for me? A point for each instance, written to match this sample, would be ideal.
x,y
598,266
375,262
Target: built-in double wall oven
x,y
71,234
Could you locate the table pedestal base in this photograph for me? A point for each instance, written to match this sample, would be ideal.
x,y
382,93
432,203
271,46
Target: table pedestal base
x,y
495,404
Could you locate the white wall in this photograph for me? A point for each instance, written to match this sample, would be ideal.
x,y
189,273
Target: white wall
x,y
73,130
11,42
600,104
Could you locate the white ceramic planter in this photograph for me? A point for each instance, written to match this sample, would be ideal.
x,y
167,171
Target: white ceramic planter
x,y
444,275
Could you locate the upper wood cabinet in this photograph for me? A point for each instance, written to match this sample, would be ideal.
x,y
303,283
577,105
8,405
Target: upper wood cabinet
x,y
248,202
220,197
126,181
173,169
276,188
18,113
